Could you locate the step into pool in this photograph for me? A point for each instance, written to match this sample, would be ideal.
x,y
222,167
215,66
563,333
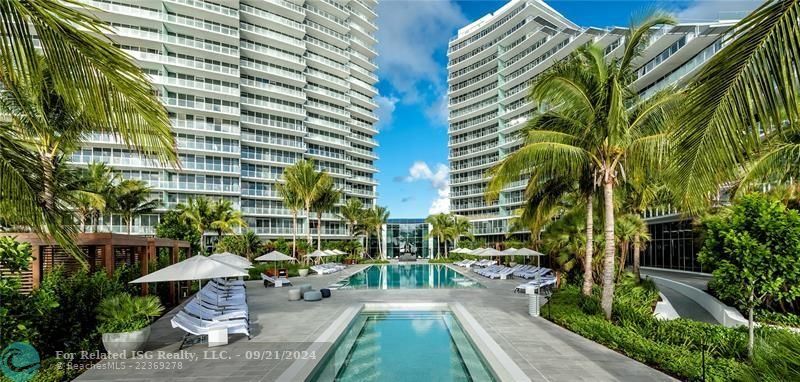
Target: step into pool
x,y
407,276
404,346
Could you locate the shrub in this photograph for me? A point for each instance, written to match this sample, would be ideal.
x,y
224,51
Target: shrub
x,y
776,318
776,357
125,313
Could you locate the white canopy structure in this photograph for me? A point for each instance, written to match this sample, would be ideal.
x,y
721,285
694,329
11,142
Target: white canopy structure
x,y
528,253
477,251
194,268
489,252
275,256
465,251
510,251
231,259
317,253
338,252
330,252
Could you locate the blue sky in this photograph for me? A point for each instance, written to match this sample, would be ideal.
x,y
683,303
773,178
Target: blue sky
x,y
412,44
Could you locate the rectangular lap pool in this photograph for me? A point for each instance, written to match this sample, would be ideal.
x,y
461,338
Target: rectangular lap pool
x,y
407,276
404,346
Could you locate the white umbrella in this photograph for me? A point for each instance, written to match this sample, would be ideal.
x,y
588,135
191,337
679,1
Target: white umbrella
x,y
275,257
194,268
477,251
461,250
490,252
510,251
338,252
529,252
232,260
317,253
330,252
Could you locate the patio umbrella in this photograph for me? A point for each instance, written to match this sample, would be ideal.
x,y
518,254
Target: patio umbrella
x,y
194,268
510,251
330,252
338,252
461,250
490,252
231,259
275,257
526,252
317,254
477,251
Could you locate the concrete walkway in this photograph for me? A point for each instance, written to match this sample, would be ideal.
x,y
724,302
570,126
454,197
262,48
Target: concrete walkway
x,y
282,329
685,306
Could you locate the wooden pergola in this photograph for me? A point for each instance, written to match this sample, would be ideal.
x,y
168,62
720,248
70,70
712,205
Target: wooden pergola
x,y
101,251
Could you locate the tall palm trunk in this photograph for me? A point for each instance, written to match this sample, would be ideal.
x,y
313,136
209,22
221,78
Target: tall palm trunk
x,y
637,246
380,246
588,278
130,224
294,233
606,301
308,224
319,231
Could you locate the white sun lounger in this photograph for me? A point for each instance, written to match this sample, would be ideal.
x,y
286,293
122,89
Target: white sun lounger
x,y
276,281
200,327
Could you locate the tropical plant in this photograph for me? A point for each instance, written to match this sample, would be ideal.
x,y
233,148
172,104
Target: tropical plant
x,y
132,198
198,212
461,228
565,241
99,88
98,181
753,249
630,230
224,219
353,213
745,92
308,184
375,218
440,228
596,128
325,202
125,313
293,202
174,225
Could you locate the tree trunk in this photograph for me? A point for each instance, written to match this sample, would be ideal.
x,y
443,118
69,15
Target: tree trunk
x,y
607,299
637,247
588,278
308,225
130,224
750,330
294,234
445,250
380,242
319,231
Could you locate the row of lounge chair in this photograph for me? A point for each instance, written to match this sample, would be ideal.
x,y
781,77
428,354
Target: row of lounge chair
x,y
219,305
327,268
475,263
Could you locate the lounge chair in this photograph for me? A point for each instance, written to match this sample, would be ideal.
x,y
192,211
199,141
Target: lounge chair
x,y
276,281
194,326
544,282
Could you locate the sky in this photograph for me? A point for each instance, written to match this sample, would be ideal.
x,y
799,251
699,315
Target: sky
x,y
412,45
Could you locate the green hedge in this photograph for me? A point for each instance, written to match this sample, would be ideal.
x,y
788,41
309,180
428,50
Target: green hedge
x,y
672,346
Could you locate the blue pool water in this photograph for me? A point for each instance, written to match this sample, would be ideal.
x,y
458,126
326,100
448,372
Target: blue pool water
x,y
404,346
407,276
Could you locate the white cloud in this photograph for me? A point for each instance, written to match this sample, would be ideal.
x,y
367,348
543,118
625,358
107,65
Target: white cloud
x,y
437,112
410,35
385,110
712,10
439,180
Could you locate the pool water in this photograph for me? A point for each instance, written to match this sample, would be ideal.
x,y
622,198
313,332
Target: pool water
x,y
407,276
404,346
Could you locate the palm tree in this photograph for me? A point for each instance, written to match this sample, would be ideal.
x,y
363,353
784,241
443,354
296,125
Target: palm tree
x,y
131,199
565,241
96,85
631,230
440,224
251,244
746,91
293,202
353,213
198,211
461,227
325,202
100,180
308,184
376,217
597,129
224,219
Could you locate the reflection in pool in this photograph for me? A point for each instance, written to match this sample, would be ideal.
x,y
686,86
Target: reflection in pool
x,y
407,276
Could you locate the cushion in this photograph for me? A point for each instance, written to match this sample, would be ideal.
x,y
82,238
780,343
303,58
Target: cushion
x,y
304,288
294,294
325,292
312,295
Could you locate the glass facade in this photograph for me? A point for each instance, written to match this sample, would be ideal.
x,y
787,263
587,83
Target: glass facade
x,y
408,237
673,245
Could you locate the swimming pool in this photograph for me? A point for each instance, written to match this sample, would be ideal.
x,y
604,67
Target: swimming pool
x,y
407,276
404,346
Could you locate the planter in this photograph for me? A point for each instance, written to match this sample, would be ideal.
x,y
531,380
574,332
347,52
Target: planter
x,y
302,272
126,343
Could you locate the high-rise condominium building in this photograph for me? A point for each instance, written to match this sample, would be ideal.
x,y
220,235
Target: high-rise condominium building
x,y
493,62
252,86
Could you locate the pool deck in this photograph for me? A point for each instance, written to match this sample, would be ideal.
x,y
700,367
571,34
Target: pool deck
x,y
543,350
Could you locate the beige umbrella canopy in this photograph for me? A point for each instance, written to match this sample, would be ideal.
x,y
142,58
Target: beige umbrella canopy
x,y
275,257
489,252
462,250
194,268
338,252
526,252
318,253
231,259
509,251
